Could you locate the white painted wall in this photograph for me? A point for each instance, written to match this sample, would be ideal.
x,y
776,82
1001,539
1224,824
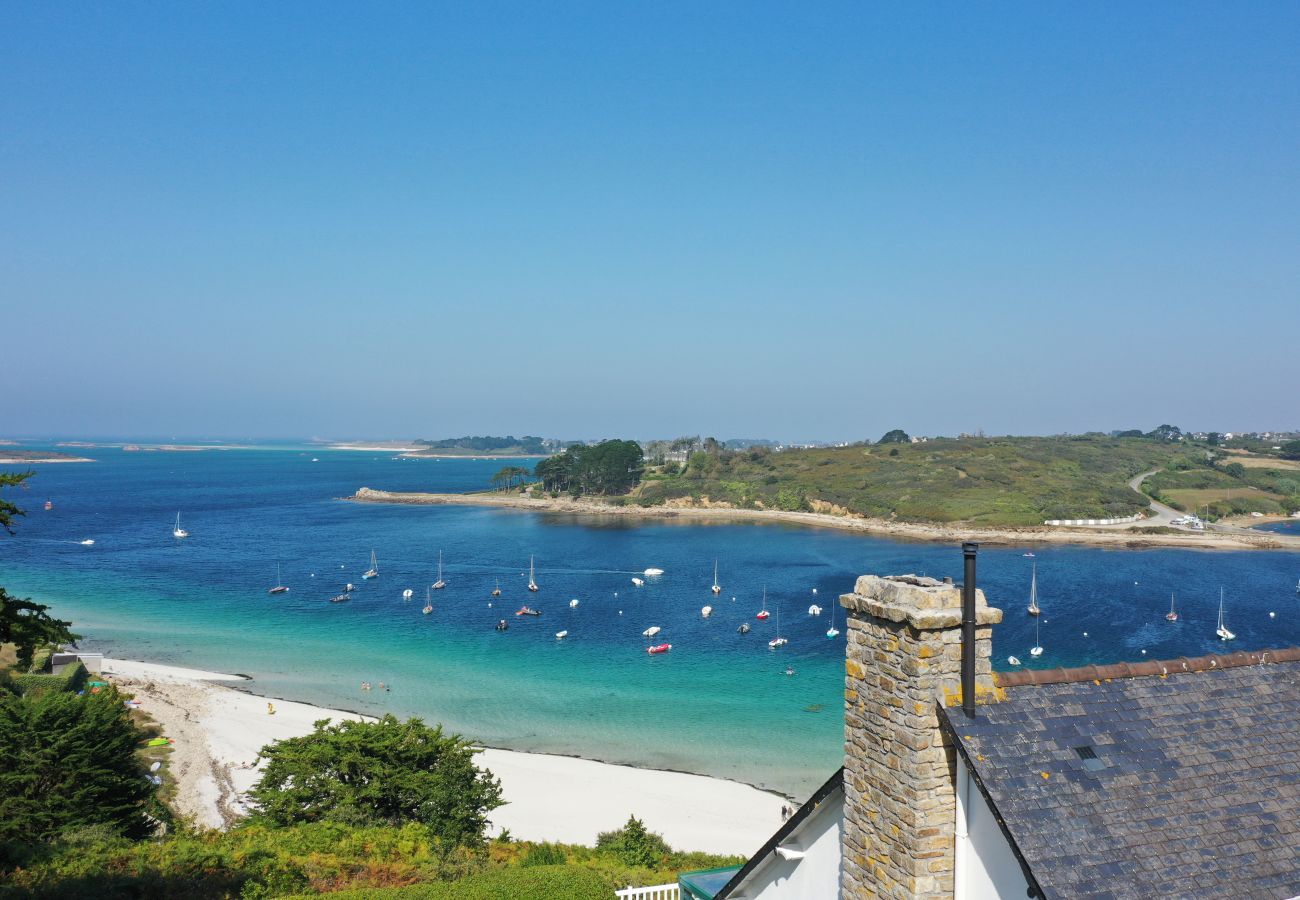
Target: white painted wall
x,y
814,877
991,870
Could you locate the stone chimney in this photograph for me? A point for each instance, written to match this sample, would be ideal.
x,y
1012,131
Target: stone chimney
x,y
903,659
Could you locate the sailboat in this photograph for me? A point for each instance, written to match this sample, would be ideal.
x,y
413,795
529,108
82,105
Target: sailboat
x,y
717,588
428,602
532,582
178,531
1037,649
1033,592
496,591
439,584
279,588
763,613
1171,615
1222,631
777,641
832,632
373,571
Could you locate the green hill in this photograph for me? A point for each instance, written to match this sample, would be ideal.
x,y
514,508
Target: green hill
x,y
1003,481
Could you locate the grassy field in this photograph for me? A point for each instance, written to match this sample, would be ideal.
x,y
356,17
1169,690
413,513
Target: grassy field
x,y
1265,462
1241,499
1229,488
1012,481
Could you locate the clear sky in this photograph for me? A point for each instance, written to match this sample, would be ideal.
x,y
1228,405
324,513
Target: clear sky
x,y
594,219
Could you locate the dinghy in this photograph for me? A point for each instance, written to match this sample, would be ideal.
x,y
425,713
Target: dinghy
x,y
658,648
638,582
651,631
561,635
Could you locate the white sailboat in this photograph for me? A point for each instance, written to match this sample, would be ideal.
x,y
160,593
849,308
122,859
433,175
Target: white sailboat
x,y
1033,592
763,613
496,591
532,582
833,632
279,588
439,584
1037,649
717,588
1171,616
1222,630
373,571
777,641
428,602
178,531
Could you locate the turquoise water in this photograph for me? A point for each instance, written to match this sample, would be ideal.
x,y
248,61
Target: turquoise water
x,y
720,703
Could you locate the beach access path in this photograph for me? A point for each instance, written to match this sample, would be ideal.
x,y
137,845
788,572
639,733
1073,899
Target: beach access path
x,y
218,730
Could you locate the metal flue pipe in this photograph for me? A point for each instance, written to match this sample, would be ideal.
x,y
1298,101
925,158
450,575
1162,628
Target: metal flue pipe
x,y
968,550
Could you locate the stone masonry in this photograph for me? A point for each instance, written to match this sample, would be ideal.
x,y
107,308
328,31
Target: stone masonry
x,y
903,659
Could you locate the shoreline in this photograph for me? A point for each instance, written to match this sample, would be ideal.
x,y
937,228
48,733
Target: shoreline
x,y
860,524
16,461
218,727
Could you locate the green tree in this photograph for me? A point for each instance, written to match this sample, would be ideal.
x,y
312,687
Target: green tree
x,y
634,844
379,773
8,511
1235,469
28,626
1291,450
897,436
68,762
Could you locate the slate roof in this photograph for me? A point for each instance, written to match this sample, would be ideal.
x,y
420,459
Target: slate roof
x,y
1194,790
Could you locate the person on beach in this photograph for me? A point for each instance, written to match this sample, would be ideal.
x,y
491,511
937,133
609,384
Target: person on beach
x,y
270,710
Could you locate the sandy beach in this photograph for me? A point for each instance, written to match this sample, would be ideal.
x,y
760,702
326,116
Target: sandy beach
x,y
41,460
218,730
901,530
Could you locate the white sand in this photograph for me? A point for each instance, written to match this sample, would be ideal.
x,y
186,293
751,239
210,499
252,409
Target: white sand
x,y
218,731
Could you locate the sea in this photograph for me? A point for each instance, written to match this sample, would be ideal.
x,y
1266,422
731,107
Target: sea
x,y
720,703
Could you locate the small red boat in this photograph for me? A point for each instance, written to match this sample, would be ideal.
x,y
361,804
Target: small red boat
x,y
658,648
763,614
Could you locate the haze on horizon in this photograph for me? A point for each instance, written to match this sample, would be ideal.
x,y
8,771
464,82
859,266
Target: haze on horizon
x,y
729,219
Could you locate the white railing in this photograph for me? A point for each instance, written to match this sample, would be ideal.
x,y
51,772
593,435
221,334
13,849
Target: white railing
x,y
653,892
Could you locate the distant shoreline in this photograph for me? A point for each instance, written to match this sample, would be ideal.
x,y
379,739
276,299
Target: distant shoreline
x,y
44,460
407,452
946,533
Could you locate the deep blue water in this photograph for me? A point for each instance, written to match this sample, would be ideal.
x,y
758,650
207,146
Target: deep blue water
x,y
720,703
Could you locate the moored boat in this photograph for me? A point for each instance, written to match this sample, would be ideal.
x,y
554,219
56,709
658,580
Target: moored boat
x,y
658,648
527,611
178,531
532,582
279,588
373,571
439,584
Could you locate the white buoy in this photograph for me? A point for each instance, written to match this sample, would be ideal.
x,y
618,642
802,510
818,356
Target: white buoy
x,y
1272,614
1085,634
814,590
1144,653
573,603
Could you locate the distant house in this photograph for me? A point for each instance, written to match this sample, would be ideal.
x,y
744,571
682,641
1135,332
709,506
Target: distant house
x,y
1155,779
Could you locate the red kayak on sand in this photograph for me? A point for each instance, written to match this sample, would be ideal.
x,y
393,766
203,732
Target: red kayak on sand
x,y
659,648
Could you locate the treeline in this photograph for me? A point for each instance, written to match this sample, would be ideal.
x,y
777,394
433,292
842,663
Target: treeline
x,y
610,467
528,445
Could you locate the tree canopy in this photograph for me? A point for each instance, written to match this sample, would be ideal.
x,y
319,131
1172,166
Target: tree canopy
x,y
8,511
610,467
634,844
69,762
897,436
1291,450
387,772
28,626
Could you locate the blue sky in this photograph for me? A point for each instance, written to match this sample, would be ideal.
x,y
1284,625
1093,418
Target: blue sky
x,y
798,221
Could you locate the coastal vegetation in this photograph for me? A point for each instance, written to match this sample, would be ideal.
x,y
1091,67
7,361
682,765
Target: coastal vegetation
x,y
8,510
386,772
1231,486
995,481
528,445
608,468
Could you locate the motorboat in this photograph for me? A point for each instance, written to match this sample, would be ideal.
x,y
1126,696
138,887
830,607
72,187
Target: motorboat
x,y
652,573
1013,660
743,629
88,542
651,631
561,635
341,598
638,581
573,603
777,642
706,611
527,611
502,625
